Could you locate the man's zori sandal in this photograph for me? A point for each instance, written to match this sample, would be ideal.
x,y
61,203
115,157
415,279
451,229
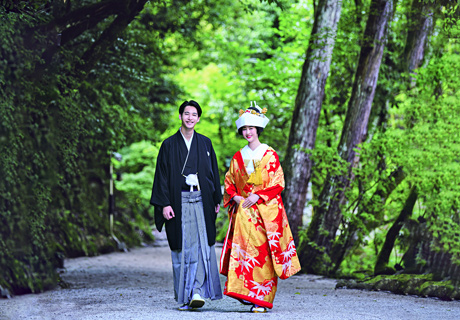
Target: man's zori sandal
x,y
197,301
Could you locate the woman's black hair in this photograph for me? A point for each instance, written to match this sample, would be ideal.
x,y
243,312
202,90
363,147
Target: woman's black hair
x,y
259,130
192,104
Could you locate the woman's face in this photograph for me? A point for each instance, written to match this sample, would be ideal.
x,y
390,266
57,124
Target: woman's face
x,y
250,134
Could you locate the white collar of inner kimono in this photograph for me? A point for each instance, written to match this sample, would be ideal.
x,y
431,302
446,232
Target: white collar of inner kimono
x,y
251,156
192,178
188,143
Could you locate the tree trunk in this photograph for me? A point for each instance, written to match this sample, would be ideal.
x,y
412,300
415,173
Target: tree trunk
x,y
384,254
297,164
420,27
322,230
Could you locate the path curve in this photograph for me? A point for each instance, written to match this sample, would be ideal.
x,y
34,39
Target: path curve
x,y
138,285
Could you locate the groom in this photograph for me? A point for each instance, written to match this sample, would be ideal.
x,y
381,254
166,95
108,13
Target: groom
x,y
187,194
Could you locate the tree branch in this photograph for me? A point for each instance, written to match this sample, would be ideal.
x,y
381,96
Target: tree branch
x,y
406,212
97,11
108,37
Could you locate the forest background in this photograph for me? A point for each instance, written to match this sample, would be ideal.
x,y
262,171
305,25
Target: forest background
x,y
363,102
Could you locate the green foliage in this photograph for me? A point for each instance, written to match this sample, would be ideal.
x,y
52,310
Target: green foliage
x,y
22,209
411,142
428,145
136,169
257,56
59,125
421,138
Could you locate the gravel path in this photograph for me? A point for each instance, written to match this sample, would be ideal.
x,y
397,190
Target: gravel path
x,y
138,285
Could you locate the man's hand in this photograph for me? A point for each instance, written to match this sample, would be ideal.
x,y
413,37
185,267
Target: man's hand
x,y
168,212
217,208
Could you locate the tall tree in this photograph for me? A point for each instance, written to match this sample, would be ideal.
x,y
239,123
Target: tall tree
x,y
298,164
419,27
327,218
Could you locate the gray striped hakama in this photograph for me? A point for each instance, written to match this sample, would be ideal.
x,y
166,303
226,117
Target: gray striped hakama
x,y
195,267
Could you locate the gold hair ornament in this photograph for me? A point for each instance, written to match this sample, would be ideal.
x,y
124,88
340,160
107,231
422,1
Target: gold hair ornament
x,y
263,112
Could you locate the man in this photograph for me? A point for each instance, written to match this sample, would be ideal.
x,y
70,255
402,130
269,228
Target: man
x,y
187,194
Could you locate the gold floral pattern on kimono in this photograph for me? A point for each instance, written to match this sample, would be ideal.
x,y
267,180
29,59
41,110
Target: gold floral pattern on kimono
x,y
259,246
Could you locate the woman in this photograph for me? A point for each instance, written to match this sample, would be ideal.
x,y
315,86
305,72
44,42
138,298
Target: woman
x,y
259,246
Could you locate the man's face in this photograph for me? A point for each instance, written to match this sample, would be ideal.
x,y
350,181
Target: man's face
x,y
189,117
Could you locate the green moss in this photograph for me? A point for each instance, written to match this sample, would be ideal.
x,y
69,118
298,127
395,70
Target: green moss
x,y
439,289
410,284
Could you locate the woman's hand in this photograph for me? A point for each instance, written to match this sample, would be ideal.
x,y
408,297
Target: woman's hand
x,y
250,200
238,199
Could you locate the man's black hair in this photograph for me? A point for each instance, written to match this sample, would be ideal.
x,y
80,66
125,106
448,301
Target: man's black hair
x,y
192,104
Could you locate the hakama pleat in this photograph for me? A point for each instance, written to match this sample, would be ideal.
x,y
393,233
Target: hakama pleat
x,y
195,267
